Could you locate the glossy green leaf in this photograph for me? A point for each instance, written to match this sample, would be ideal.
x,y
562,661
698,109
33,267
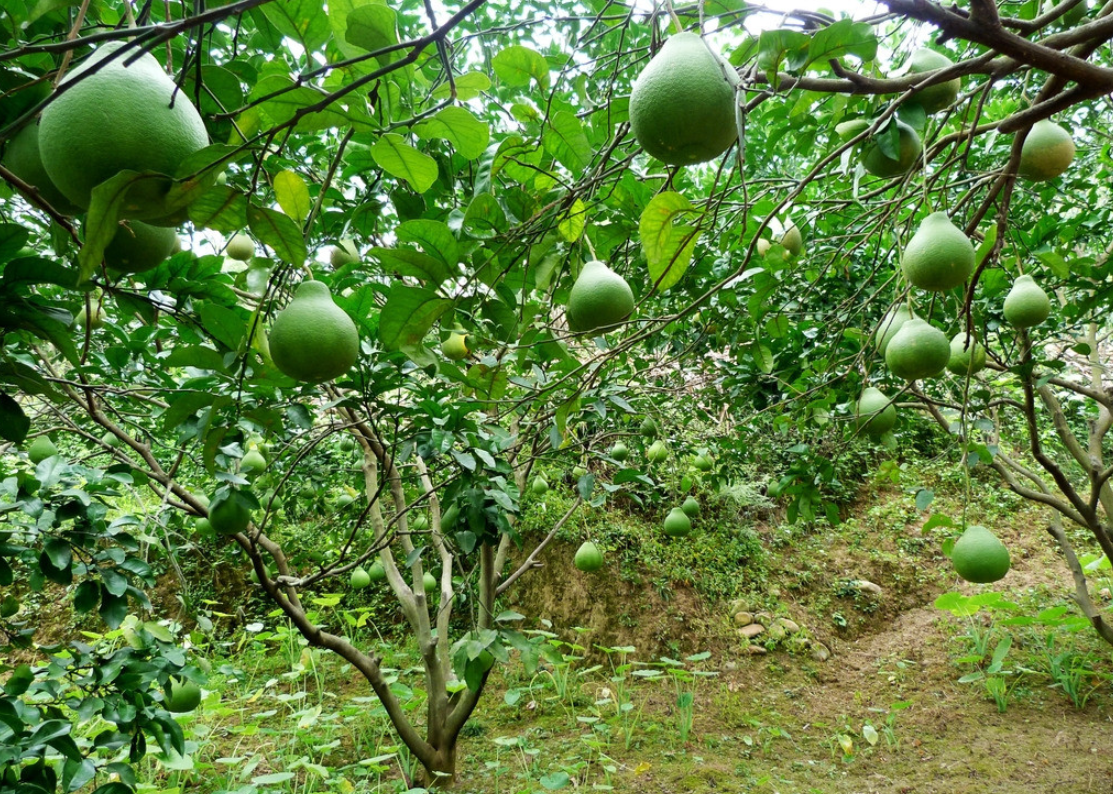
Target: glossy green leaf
x,y
467,134
409,314
517,65
668,246
399,159
272,228
292,195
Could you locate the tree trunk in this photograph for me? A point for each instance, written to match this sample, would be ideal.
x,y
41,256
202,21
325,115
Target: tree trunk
x,y
440,772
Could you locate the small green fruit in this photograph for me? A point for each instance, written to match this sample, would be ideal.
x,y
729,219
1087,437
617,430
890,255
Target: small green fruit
x,y
241,247
359,579
890,324
578,472
648,427
918,351
873,413
82,317
41,449
109,439
253,463
1026,304
228,515
939,257
182,695
703,462
876,162
455,348
979,556
377,572
941,95
1047,151
344,254
588,557
690,507
599,299
658,451
677,524
793,241
539,486
619,451
429,582
968,356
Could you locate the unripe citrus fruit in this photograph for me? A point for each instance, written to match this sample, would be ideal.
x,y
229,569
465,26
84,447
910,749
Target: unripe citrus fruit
x,y
455,348
22,158
792,240
876,162
1026,304
763,246
703,462
182,695
619,451
690,507
941,95
677,524
588,557
968,356
253,463
873,413
539,486
648,427
377,572
979,556
41,449
109,439
312,339
118,118
939,256
343,254
657,452
83,317
138,246
241,247
1047,151
599,298
428,582
359,579
228,515
682,106
890,324
918,351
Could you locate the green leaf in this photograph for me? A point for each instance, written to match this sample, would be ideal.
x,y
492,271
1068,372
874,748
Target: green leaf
x,y
986,245
467,134
372,27
59,553
404,262
14,424
292,195
924,498
516,65
339,13
86,596
468,86
566,141
196,356
392,154
223,324
777,46
408,315
668,247
113,609
484,217
221,208
36,270
304,21
435,239
572,222
273,228
845,37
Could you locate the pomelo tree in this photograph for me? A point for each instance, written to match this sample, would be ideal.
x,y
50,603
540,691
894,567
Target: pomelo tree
x,y
449,172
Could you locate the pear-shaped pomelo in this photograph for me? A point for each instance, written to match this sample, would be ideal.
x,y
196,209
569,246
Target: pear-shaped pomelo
x,y
228,514
682,105
138,246
253,463
690,507
890,324
241,247
599,298
588,557
648,427
182,695
658,451
909,149
793,240
1047,151
377,572
114,117
939,256
968,356
359,579
979,556
619,451
41,449
918,351
312,339
455,347
22,158
429,582
677,524
873,413
941,95
1026,304
539,486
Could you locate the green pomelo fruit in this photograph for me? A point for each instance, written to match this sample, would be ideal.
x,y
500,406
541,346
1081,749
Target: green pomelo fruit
x,y
599,298
455,348
588,557
578,472
657,452
253,463
979,556
347,444
1026,304
968,356
228,515
876,162
41,449
82,318
313,340
344,500
703,462
109,439
22,158
918,351
677,524
793,241
939,256
648,427
682,105
344,254
873,413
539,486
377,572
241,247
138,246
941,95
690,507
118,118
763,246
890,324
359,579
429,582
1047,152
204,527
619,451
182,695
